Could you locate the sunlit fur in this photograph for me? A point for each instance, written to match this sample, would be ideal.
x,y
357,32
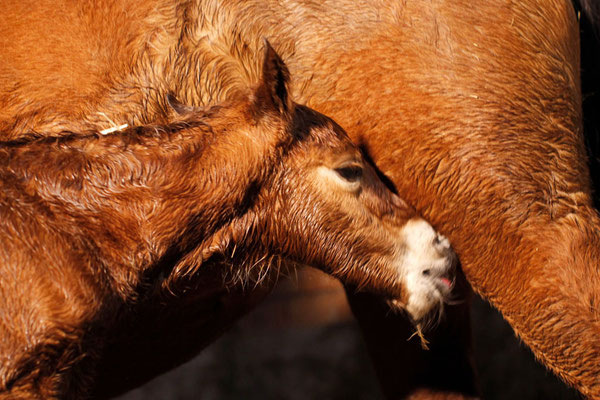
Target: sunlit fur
x,y
472,111
95,228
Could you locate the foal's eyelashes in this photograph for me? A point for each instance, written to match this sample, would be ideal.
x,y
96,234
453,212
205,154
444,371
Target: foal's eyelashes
x,y
351,173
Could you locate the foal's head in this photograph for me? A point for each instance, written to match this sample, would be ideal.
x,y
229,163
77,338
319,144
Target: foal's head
x,y
318,202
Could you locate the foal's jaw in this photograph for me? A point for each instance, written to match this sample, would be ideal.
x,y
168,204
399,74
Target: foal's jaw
x,y
428,264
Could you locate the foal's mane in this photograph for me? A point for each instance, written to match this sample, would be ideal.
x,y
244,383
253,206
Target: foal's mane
x,y
187,129
143,135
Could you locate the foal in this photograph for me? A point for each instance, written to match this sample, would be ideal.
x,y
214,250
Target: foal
x,y
95,227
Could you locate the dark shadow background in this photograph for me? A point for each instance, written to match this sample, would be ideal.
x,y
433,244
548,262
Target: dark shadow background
x,y
302,343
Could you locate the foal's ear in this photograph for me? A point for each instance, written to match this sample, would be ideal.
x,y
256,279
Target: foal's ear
x,y
272,93
177,107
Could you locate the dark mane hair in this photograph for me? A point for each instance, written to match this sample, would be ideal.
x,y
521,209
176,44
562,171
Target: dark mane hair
x,y
126,135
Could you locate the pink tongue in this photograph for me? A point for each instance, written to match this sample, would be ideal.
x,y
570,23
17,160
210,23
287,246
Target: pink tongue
x,y
446,282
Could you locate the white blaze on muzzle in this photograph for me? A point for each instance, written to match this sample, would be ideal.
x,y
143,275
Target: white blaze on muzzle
x,y
428,268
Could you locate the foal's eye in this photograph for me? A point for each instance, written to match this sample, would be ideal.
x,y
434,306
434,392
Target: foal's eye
x,y
351,173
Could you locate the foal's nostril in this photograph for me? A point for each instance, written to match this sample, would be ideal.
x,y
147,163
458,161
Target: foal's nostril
x,y
441,243
426,272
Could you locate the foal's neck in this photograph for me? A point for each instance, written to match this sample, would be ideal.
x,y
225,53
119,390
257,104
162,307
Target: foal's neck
x,y
141,193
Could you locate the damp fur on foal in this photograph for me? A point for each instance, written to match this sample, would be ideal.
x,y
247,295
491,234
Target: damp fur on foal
x,y
101,227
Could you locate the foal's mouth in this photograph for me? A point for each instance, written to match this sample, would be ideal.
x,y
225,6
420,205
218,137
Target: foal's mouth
x,y
444,281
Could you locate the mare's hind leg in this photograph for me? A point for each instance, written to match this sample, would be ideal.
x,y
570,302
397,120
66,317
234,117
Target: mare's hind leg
x,y
404,369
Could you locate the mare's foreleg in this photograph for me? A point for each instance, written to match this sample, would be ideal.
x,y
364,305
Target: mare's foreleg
x,y
406,370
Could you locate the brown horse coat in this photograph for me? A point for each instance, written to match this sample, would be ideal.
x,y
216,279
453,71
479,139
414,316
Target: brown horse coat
x,y
100,230
473,112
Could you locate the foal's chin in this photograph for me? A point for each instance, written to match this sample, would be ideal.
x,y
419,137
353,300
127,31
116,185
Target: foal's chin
x,y
425,310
